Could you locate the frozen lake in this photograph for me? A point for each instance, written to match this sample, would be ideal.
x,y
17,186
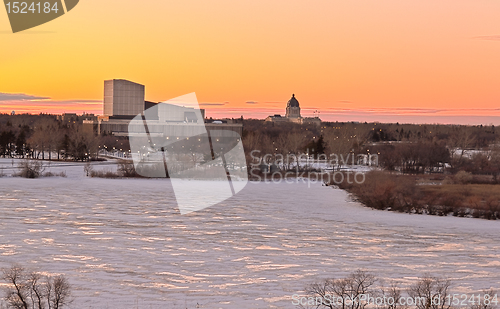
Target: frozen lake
x,y
123,244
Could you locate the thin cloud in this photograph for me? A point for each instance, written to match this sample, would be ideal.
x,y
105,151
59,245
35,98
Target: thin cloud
x,y
19,97
371,111
52,102
488,37
50,106
252,102
78,101
345,102
213,104
410,111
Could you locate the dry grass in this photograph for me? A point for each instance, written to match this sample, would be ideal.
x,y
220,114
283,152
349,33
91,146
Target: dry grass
x,y
463,200
50,174
406,193
484,191
104,174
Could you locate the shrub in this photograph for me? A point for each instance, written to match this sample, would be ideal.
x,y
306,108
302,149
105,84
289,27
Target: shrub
x,y
385,191
448,180
50,174
401,193
493,209
127,169
87,169
104,174
463,177
30,169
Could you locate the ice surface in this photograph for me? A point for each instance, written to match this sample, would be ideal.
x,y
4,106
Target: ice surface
x,y
122,243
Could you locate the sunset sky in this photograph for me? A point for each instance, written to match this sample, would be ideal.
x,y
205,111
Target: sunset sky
x,y
385,60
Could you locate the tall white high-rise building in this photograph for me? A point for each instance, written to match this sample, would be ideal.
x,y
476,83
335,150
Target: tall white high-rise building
x,y
123,98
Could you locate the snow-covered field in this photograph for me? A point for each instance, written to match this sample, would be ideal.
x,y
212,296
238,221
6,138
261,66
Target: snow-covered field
x,y
123,244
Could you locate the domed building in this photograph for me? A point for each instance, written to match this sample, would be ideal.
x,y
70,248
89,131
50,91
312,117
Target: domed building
x,y
292,108
293,114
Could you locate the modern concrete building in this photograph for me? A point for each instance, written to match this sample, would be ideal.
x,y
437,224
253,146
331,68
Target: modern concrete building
x,y
123,100
123,97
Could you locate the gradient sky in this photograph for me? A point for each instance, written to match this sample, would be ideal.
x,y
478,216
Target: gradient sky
x,y
385,60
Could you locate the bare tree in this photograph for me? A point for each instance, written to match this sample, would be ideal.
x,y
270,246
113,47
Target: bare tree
x,y
341,141
37,142
395,294
343,293
361,135
35,291
296,141
430,293
18,292
60,292
485,303
87,169
84,144
289,145
462,138
338,140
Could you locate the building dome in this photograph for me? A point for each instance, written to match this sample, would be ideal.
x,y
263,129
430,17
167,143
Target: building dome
x,y
293,102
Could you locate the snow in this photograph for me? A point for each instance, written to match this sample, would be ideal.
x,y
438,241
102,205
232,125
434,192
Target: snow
x,y
122,243
469,153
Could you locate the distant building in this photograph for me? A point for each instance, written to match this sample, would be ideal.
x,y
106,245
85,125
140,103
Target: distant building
x,y
293,114
293,109
74,118
68,117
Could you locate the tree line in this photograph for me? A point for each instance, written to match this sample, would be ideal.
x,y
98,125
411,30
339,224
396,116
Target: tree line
x,y
46,137
408,148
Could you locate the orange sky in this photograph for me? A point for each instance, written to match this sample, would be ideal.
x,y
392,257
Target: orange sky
x,y
385,60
